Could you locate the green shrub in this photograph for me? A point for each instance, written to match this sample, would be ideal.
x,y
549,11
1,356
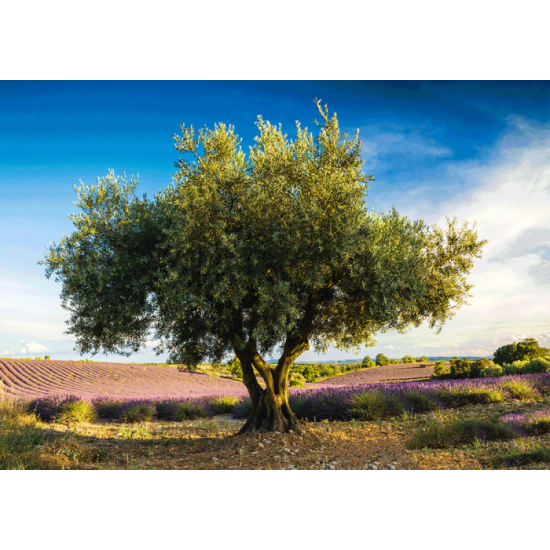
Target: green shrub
x,y
539,364
441,369
310,374
492,371
223,405
423,359
395,362
375,406
139,413
366,360
381,360
47,357
296,380
509,370
189,411
409,359
441,436
477,366
460,368
235,367
524,459
421,402
77,411
519,389
458,397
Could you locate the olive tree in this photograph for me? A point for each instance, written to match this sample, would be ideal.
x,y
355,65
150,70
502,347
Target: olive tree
x,y
254,255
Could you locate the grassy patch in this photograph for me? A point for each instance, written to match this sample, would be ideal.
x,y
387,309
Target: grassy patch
x,y
375,406
523,459
458,433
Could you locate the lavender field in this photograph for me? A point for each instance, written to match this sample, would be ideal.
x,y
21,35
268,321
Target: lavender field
x,y
46,378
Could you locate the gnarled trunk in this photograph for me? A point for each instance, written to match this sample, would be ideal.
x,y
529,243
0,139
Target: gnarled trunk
x,y
271,411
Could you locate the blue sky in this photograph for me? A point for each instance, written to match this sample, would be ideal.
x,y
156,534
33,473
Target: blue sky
x,y
477,150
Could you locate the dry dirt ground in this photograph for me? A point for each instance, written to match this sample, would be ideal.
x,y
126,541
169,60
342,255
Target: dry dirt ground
x,y
210,445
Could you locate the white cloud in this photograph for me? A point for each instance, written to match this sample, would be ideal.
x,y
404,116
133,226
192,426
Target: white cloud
x,y
33,347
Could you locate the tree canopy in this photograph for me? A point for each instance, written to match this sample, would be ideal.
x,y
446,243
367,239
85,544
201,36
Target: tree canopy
x,y
270,252
524,350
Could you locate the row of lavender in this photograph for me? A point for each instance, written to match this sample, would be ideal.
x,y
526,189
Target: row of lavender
x,y
369,402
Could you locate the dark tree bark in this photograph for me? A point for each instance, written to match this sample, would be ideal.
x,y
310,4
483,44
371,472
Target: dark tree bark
x,y
271,410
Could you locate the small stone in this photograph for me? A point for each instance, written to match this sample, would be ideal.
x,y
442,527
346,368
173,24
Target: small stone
x,y
285,450
373,467
392,467
276,456
290,431
215,459
266,440
260,445
331,466
277,433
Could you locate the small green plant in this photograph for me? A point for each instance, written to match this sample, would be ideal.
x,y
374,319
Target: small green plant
x,y
77,411
442,436
47,357
421,402
374,406
519,389
523,459
458,397
139,413
224,405
189,411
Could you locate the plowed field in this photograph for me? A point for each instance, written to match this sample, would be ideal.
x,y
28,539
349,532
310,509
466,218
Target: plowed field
x,y
409,371
41,378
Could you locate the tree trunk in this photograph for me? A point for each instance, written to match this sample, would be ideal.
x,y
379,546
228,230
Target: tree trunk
x,y
271,411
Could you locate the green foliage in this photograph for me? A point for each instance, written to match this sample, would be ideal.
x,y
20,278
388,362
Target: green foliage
x,y
477,366
296,380
534,366
247,254
460,368
523,459
421,402
139,413
519,389
374,406
47,357
441,369
235,367
366,361
422,359
224,405
382,360
409,359
492,371
458,397
77,411
395,362
190,411
441,436
526,349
